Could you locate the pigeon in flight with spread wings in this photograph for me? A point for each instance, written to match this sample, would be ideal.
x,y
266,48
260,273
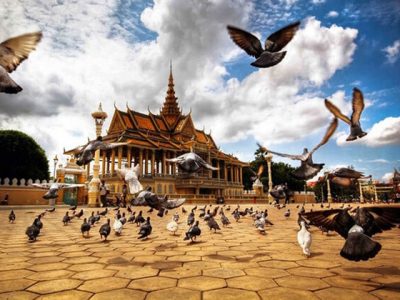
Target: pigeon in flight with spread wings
x,y
53,188
12,52
345,176
269,56
308,168
354,122
258,174
131,177
86,153
357,229
191,163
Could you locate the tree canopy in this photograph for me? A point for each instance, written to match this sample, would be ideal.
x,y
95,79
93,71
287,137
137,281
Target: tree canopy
x,y
21,157
280,174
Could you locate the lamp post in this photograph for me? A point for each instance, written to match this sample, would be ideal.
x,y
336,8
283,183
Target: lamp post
x,y
328,189
55,159
361,191
268,158
99,117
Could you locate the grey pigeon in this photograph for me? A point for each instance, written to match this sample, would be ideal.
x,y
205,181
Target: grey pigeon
x,y
270,55
139,219
212,224
354,122
12,52
193,232
11,217
38,222
66,219
32,232
357,230
191,163
308,168
145,229
190,219
105,230
85,227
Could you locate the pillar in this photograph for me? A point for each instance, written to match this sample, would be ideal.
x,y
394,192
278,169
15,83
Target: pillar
x,y
225,172
129,156
164,165
112,161
153,160
328,188
103,163
120,157
218,172
88,170
241,175
361,192
141,161
146,161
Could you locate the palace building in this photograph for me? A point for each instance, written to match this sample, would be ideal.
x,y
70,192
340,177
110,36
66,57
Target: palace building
x,y
152,138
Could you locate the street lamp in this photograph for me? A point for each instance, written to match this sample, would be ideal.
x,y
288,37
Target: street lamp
x,y
99,117
268,158
55,159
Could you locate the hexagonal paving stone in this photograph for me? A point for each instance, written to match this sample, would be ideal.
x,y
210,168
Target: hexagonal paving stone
x,y
310,272
86,267
81,260
137,272
14,274
52,286
390,281
301,283
281,293
47,259
66,295
15,285
178,294
202,283
317,263
355,273
152,283
278,264
230,294
48,267
223,272
93,274
201,265
184,258
104,284
122,294
386,294
342,282
180,272
14,266
20,295
251,283
340,293
149,258
266,272
49,275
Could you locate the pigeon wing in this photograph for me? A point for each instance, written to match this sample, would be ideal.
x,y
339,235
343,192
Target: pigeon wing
x,y
338,220
358,106
15,50
329,132
42,185
336,111
174,203
107,146
385,218
260,170
279,39
294,157
70,186
245,40
347,172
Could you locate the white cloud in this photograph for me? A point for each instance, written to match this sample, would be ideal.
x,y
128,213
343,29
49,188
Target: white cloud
x,y
87,56
387,177
392,51
382,133
332,14
317,1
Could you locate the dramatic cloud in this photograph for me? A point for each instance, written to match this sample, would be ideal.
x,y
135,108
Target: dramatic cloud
x,y
392,52
385,132
387,177
332,14
89,54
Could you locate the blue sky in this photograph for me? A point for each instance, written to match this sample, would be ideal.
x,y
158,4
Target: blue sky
x,y
118,52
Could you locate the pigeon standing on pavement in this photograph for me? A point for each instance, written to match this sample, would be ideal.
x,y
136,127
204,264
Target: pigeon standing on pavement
x,y
117,226
105,230
85,227
139,219
193,232
32,232
66,219
304,239
145,230
11,217
172,226
212,224
190,219
287,213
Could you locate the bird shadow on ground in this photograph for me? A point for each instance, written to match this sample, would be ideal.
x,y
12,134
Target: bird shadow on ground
x,y
195,242
166,246
316,254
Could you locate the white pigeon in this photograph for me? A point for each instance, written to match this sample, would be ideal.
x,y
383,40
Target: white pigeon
x,y
304,239
131,177
172,226
117,226
260,223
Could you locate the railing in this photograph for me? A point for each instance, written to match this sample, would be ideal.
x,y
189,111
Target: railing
x,y
21,182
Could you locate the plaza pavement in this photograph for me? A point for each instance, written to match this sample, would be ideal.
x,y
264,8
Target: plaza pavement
x,y
236,263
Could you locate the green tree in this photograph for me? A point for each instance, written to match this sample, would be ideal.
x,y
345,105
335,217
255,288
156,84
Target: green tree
x,y
21,157
280,174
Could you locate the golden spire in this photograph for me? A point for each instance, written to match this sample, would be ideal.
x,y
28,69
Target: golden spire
x,y
170,107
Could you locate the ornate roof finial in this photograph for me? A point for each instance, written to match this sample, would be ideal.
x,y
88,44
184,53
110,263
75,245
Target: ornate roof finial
x,y
170,109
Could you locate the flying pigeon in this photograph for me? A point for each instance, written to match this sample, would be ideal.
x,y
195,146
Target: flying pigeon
x,y
11,217
193,232
147,197
86,153
131,177
269,56
307,168
258,174
344,176
12,52
357,229
105,230
191,163
85,227
354,122
53,188
304,239
145,230
172,226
